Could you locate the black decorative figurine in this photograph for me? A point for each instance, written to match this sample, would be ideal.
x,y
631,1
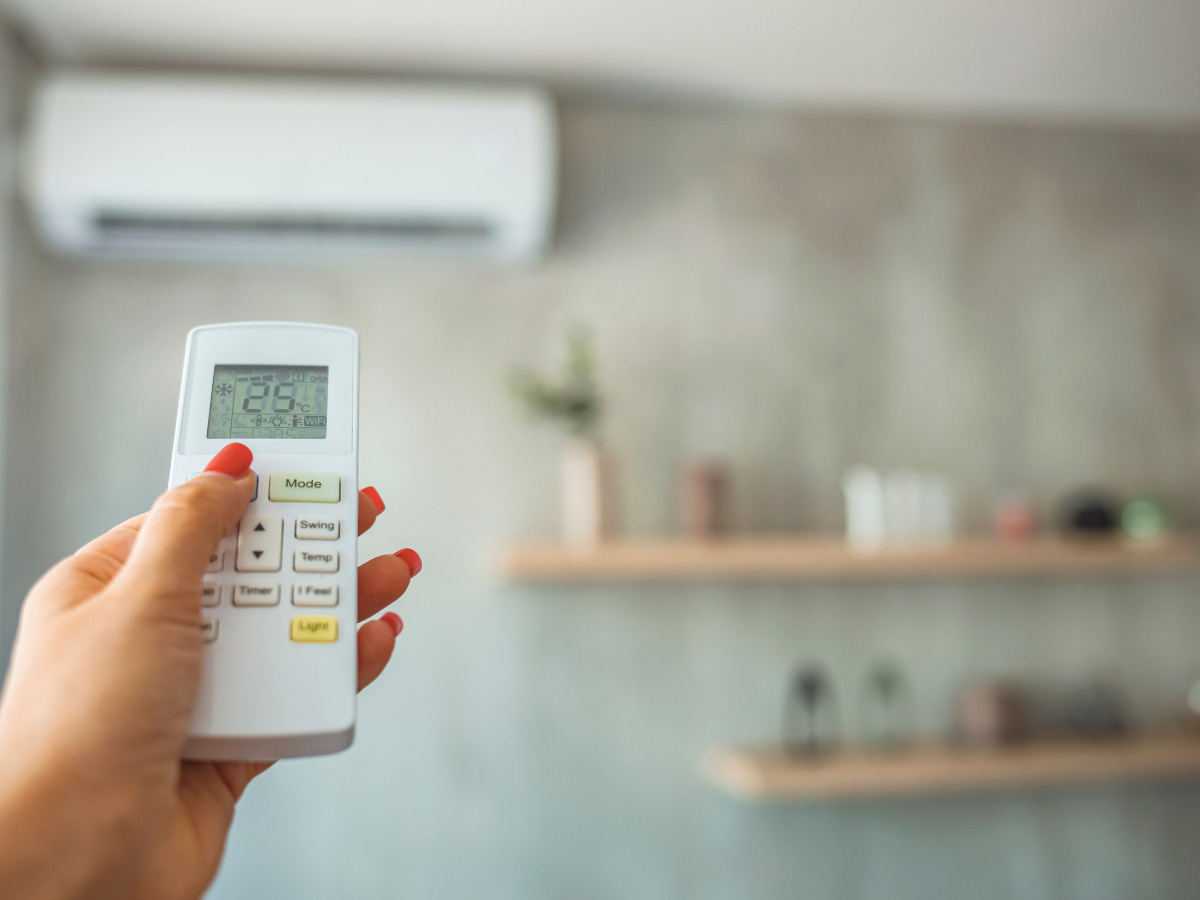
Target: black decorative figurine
x,y
810,719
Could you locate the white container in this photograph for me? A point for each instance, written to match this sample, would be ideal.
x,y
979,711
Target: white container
x,y
588,495
863,489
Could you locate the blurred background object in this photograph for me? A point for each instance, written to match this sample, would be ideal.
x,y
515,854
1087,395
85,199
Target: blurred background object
x,y
902,506
705,490
589,491
991,713
1091,512
811,720
888,717
1095,710
956,242
1015,519
1144,519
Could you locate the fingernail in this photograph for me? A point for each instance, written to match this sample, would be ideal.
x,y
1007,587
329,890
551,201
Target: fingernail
x,y
412,559
375,499
233,460
395,621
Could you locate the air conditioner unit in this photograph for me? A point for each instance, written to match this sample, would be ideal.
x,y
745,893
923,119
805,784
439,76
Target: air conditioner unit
x,y
204,167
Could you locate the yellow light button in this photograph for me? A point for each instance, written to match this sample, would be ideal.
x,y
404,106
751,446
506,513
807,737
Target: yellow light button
x,y
314,629
305,487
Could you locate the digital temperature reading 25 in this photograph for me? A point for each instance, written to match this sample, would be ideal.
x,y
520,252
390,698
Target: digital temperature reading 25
x,y
268,402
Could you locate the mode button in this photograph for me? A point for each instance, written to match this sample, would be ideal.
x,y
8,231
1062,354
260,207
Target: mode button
x,y
305,487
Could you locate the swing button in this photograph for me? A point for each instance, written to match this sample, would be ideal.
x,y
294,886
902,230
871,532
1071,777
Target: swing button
x,y
305,487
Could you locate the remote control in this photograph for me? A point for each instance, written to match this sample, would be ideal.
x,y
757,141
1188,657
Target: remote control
x,y
280,596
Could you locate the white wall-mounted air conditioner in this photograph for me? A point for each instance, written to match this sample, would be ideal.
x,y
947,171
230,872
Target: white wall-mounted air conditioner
x,y
209,167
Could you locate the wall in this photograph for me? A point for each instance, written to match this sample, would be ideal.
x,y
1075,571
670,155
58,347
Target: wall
x,y
16,260
1018,307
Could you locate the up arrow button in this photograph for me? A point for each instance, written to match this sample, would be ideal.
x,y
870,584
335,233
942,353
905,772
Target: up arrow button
x,y
305,487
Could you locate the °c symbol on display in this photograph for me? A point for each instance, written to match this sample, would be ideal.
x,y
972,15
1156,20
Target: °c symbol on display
x,y
259,527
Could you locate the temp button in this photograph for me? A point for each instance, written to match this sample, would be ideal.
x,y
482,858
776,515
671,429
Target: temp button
x,y
305,487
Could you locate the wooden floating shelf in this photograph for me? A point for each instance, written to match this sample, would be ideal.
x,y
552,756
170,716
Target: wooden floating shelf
x,y
782,558
939,769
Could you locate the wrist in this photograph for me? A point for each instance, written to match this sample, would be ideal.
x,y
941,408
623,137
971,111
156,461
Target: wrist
x,y
56,836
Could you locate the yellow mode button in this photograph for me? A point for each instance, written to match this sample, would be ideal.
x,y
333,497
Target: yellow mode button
x,y
305,487
314,629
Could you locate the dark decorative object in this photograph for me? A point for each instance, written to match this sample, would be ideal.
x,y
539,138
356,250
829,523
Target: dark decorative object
x,y
705,496
1091,512
1094,711
810,720
990,713
888,711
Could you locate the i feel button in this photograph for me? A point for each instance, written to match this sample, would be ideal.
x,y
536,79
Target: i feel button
x,y
305,487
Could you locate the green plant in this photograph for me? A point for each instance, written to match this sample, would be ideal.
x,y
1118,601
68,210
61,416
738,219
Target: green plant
x,y
574,402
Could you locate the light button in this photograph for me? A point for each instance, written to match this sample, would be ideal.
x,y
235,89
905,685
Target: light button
x,y
314,629
305,487
316,561
208,628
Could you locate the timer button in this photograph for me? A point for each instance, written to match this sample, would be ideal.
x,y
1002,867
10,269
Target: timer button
x,y
305,487
255,594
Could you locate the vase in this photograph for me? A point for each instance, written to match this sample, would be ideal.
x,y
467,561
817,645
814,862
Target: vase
x,y
588,494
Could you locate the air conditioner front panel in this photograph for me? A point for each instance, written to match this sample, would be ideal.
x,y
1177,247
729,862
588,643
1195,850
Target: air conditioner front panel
x,y
225,161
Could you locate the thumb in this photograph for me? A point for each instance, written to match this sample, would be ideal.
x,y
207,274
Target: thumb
x,y
186,523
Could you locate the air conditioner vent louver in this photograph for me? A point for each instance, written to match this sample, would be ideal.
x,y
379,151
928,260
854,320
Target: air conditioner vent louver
x,y
141,226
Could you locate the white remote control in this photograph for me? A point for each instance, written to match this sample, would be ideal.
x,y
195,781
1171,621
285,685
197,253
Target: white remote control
x,y
281,593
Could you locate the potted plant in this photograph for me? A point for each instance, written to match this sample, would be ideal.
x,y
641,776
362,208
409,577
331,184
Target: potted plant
x,y
573,403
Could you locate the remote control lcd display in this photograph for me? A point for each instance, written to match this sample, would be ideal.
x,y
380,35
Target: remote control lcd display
x,y
287,402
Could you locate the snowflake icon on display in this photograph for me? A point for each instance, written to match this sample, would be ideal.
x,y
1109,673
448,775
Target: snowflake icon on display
x,y
223,389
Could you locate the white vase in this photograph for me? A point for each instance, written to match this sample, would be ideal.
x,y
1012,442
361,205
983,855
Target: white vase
x,y
588,494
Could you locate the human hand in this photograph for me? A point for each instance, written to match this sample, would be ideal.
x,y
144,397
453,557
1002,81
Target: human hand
x,y
95,800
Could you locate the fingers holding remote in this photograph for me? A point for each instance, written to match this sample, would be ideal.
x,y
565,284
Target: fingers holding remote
x,y
381,582
376,640
370,507
179,533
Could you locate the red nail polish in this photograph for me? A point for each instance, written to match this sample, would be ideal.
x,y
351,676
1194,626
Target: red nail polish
x,y
413,561
233,460
395,621
373,496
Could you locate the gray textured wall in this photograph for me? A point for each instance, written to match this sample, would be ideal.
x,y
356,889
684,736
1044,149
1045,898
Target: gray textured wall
x,y
1019,307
